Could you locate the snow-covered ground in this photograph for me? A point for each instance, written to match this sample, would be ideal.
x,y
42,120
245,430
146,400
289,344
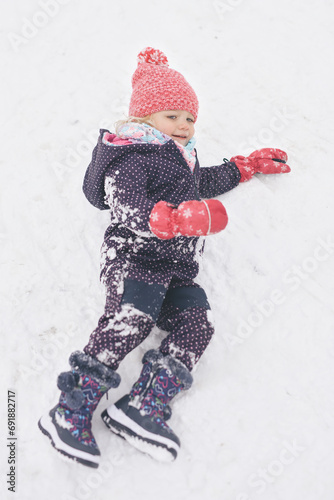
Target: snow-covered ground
x,y
259,421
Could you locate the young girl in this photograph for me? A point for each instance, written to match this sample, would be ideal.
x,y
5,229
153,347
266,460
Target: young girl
x,y
160,202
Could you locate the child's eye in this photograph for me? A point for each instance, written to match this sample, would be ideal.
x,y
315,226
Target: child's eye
x,y
190,120
172,117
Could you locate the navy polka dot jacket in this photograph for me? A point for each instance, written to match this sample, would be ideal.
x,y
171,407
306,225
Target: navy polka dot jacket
x,y
130,179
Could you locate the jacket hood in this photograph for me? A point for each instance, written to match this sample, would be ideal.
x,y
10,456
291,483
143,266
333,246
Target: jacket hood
x,y
108,150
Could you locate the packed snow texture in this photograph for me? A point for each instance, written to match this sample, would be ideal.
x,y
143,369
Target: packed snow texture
x,y
259,419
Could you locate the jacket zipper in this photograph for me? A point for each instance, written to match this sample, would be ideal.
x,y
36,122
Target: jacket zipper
x,y
178,156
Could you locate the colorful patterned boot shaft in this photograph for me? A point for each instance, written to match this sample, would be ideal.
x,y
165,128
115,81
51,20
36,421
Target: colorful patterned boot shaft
x,y
78,420
81,394
161,379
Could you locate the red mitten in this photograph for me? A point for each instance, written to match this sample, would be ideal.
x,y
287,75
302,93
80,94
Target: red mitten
x,y
162,220
191,218
265,161
201,218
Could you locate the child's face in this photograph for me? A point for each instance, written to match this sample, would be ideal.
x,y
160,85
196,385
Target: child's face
x,y
178,124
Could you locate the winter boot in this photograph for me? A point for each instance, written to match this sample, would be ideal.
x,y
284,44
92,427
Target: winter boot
x,y
68,424
140,417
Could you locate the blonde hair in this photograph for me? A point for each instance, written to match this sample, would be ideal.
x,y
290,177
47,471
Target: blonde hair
x,y
130,119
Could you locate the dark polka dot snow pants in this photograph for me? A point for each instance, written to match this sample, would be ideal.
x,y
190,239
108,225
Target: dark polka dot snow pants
x,y
133,307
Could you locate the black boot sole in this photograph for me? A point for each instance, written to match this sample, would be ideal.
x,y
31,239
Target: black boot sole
x,y
49,429
158,447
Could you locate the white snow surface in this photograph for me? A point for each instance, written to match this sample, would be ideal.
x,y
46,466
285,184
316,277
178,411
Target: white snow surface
x,y
259,419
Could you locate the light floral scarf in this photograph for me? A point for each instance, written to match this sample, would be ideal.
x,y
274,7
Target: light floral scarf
x,y
141,132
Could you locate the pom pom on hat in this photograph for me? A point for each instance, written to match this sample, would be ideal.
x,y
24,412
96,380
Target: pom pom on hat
x,y
157,87
153,56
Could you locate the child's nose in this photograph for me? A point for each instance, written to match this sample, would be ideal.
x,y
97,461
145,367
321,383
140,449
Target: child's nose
x,y
184,125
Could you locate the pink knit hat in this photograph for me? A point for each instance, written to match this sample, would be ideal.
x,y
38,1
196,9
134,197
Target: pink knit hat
x,y
156,87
